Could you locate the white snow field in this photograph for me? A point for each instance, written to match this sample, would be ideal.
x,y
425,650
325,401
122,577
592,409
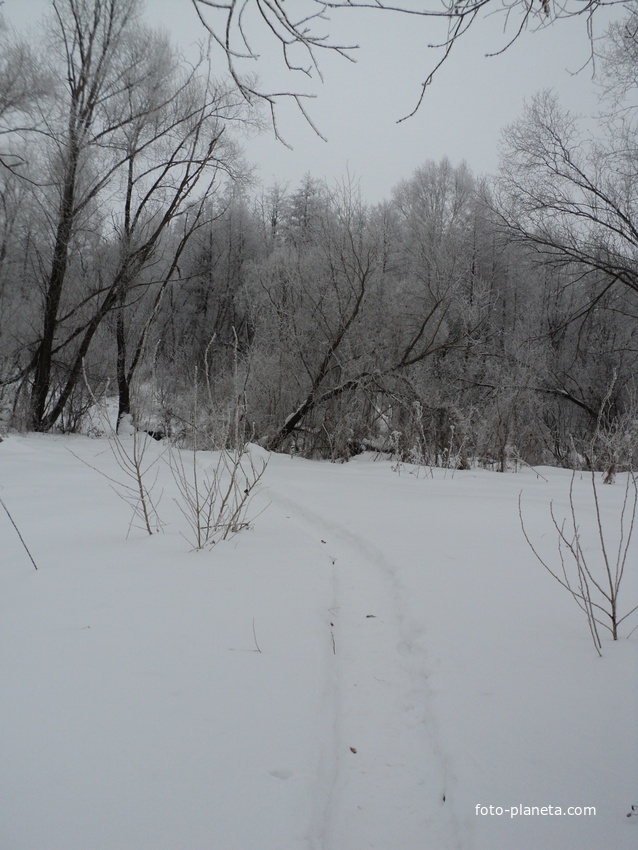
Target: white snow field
x,y
378,656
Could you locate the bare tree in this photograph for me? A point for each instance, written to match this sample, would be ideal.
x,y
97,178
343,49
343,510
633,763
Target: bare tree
x,y
23,85
142,145
567,197
89,36
571,198
176,151
309,299
572,194
336,329
620,64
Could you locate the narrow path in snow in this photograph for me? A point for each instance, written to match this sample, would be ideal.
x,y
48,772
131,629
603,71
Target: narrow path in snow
x,y
388,781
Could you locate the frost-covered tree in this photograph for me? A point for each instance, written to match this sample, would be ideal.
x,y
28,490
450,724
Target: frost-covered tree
x,y
126,150
569,198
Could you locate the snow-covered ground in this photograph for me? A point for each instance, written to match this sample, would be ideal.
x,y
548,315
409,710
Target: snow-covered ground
x,y
376,657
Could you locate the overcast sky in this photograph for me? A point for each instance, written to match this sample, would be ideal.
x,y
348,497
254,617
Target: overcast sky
x,y
357,106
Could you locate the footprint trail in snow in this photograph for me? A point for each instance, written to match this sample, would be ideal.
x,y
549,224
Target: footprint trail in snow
x,y
380,669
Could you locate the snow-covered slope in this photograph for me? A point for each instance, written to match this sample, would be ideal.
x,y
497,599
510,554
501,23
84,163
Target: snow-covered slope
x,y
379,655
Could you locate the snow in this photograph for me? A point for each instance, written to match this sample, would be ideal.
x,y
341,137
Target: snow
x,y
379,654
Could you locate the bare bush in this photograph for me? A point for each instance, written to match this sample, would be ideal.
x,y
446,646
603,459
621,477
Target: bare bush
x,y
215,501
593,584
130,453
130,457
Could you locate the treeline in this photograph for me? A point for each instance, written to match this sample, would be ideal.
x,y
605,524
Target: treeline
x,y
462,321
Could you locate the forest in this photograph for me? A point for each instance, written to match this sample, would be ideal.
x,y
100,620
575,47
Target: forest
x,y
463,321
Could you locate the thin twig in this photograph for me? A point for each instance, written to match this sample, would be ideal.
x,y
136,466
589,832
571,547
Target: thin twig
x,y
26,548
255,637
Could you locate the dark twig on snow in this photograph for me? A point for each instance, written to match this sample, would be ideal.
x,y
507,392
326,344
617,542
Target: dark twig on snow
x,y
26,548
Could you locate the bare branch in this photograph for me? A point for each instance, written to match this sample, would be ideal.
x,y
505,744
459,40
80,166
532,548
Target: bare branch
x,y
228,23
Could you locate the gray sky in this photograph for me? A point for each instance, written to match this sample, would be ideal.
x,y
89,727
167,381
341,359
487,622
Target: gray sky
x,y
357,106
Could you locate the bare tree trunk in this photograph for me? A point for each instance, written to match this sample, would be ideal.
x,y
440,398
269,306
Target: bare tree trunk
x,y
43,358
123,383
